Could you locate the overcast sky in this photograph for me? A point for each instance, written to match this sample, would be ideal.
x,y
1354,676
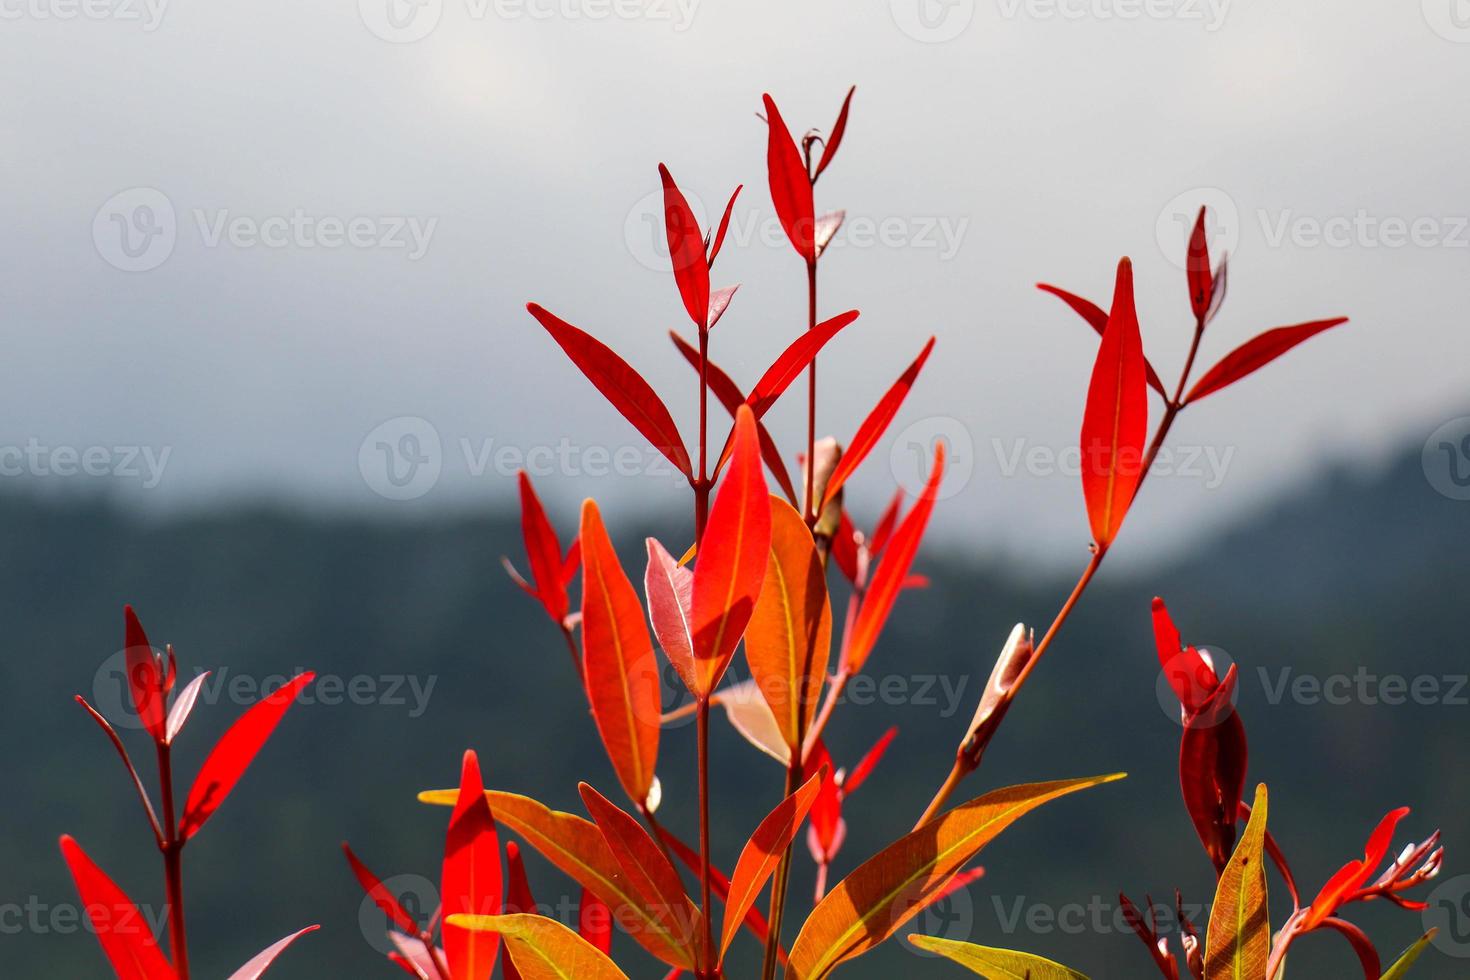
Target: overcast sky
x,y
254,250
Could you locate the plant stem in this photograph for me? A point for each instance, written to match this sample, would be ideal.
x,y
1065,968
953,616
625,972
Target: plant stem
x,y
566,632
967,762
701,726
173,871
811,395
781,883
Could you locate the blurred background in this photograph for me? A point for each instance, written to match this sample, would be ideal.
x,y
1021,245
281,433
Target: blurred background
x,y
270,380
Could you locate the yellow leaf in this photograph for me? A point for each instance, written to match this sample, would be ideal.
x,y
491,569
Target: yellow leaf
x,y
1238,942
892,887
578,849
544,949
996,964
789,638
1400,968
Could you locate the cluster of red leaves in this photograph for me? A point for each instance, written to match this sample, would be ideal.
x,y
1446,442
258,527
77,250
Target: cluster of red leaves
x,y
129,945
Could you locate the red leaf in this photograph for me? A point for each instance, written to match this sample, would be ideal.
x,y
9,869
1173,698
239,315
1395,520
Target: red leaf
x,y
620,384
844,547
719,883
145,677
864,768
518,897
686,250
669,588
892,571
791,188
886,522
594,921
385,900
1115,424
1197,269
794,360
719,302
233,753
1212,768
1256,353
621,672
1098,320
719,239
829,148
648,871
543,551
183,706
262,960
1188,673
761,854
471,880
874,425
728,393
732,557
1353,875
119,926
414,955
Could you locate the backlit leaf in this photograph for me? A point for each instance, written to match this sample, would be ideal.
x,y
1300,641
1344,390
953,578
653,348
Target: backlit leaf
x,y
1115,424
618,661
1097,318
262,960
578,849
731,564
762,853
472,878
791,187
834,139
624,387
1400,968
233,753
1197,269
789,638
384,899
145,681
544,949
875,424
686,250
996,964
1255,354
117,923
888,581
669,588
1238,940
543,552
594,921
903,879
794,360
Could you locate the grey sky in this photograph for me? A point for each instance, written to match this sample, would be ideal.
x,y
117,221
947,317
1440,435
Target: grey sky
x,y
515,145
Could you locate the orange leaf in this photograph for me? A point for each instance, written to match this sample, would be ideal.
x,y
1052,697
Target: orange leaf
x,y
789,638
1238,940
1255,354
732,559
544,949
617,657
903,879
874,425
119,926
1115,424
578,849
892,571
762,854
647,871
471,881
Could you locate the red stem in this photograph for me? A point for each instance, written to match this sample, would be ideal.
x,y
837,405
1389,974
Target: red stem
x,y
173,871
701,725
811,395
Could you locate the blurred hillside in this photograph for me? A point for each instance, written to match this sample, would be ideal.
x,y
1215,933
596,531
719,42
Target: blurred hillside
x,y
1361,576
